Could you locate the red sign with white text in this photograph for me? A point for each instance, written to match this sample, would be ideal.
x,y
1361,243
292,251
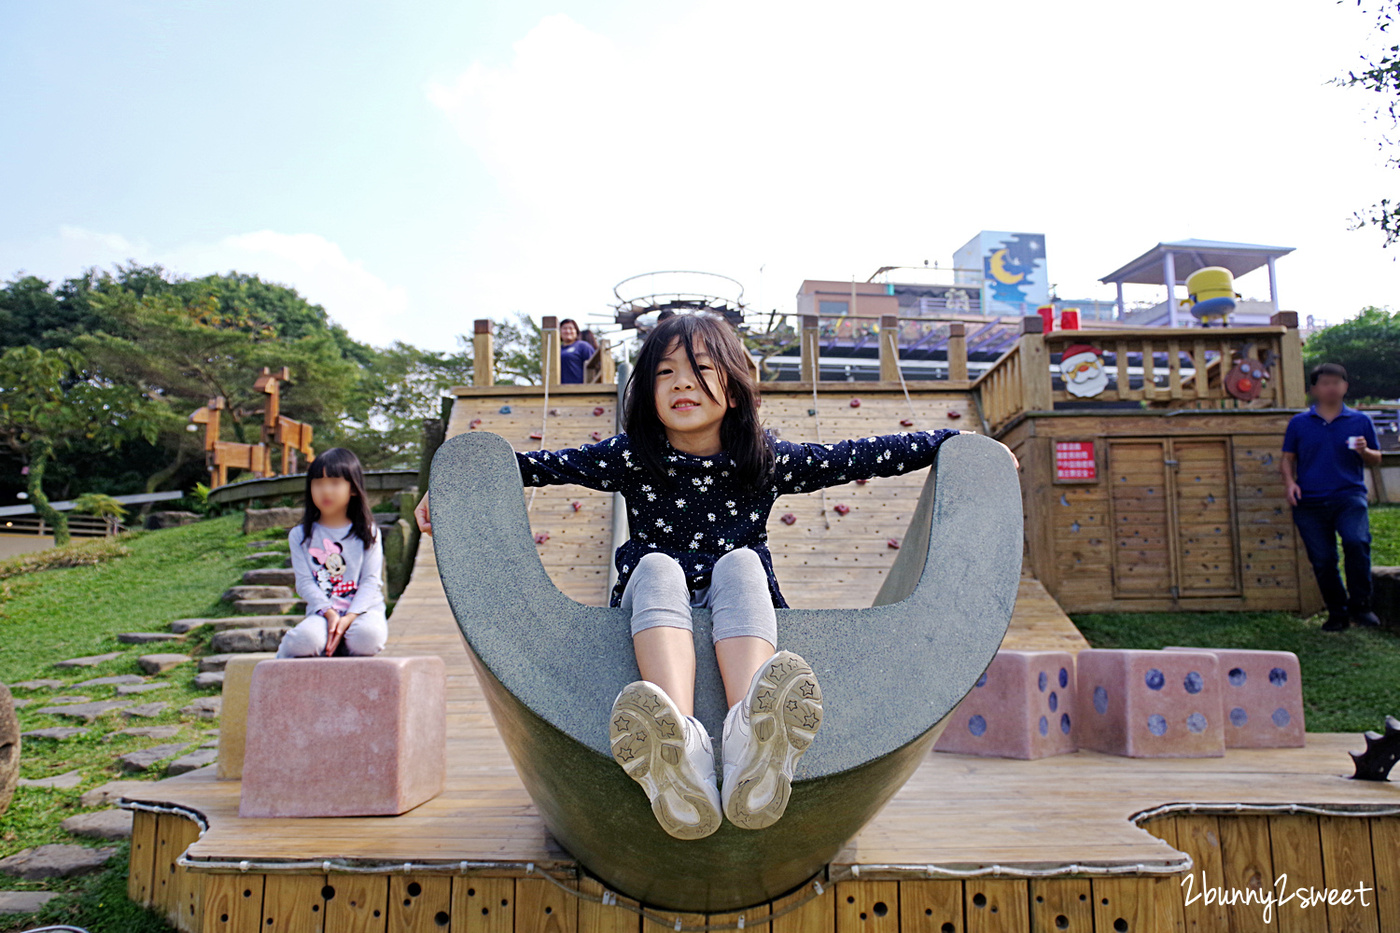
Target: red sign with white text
x,y
1074,462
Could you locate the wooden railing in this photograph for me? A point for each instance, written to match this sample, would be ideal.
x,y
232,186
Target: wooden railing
x,y
1157,367
79,526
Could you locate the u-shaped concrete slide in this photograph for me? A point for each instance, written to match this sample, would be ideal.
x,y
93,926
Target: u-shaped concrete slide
x,y
890,674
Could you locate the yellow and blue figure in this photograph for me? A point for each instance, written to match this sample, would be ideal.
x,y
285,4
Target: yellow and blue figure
x,y
1210,292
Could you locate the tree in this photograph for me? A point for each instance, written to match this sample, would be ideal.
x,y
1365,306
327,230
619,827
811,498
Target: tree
x,y
1380,73
1368,346
45,408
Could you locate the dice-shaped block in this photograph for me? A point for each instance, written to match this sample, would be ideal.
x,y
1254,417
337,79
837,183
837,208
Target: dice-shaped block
x,y
1262,695
344,736
1022,707
1150,704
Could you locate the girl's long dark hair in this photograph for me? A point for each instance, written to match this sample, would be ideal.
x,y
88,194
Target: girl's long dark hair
x,y
339,463
740,432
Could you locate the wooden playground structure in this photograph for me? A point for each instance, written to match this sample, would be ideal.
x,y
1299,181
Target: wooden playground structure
x,y
1079,842
294,437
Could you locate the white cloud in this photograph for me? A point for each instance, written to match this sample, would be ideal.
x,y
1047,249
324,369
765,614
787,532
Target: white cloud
x,y
823,143
368,307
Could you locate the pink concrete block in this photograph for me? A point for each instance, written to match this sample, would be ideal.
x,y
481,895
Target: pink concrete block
x,y
1262,694
1150,704
344,736
1022,707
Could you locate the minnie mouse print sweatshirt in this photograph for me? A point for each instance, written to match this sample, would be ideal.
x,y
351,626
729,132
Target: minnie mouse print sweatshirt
x,y
335,569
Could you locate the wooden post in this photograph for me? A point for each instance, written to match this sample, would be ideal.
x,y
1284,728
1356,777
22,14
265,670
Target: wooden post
x,y
269,383
483,353
957,352
549,351
1035,365
607,366
811,349
1291,379
889,348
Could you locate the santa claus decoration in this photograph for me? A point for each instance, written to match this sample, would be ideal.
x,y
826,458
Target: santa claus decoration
x,y
1081,368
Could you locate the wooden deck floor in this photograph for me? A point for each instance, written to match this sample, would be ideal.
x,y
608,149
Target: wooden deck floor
x,y
958,812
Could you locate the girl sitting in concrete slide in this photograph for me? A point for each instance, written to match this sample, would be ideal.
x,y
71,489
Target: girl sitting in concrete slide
x,y
338,557
700,475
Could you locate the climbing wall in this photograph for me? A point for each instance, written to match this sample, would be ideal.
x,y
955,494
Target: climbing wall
x,y
572,525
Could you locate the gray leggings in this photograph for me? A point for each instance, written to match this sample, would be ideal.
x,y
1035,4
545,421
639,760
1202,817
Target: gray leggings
x,y
737,597
365,636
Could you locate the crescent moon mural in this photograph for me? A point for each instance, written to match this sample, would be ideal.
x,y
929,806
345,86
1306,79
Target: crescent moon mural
x,y
891,673
997,261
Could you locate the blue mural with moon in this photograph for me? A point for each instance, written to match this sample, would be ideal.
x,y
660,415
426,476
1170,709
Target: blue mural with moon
x,y
1014,276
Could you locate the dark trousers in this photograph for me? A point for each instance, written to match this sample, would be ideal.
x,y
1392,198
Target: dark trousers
x,y
1320,523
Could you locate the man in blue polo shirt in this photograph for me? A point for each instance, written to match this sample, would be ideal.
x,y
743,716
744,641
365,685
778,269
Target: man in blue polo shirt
x,y
1325,450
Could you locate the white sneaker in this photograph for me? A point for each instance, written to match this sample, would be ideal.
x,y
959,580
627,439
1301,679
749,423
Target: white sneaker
x,y
764,736
670,755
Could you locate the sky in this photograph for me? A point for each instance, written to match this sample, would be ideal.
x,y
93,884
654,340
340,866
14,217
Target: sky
x,y
412,167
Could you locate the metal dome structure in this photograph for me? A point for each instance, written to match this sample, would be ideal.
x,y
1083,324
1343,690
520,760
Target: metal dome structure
x,y
651,293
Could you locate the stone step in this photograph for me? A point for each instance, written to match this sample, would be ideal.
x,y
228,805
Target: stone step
x,y
209,679
182,626
55,861
246,640
109,825
271,576
147,638
279,606
241,593
160,663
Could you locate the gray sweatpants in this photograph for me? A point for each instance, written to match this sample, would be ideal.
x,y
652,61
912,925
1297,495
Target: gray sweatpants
x,y
365,636
737,597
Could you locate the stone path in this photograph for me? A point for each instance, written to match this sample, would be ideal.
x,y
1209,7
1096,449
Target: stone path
x,y
146,758
109,825
57,732
24,902
55,861
160,663
65,781
87,712
90,661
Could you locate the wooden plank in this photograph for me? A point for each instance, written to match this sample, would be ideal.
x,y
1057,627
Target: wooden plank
x,y
598,918
164,888
141,870
483,905
540,907
357,903
233,903
1127,904
754,918
293,904
816,915
1149,371
1246,865
866,907
932,906
1347,863
419,903
1296,845
1385,848
1199,837
1061,905
997,905
186,910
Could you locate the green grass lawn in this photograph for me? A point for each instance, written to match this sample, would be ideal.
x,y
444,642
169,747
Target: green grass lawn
x,y
51,615
1385,535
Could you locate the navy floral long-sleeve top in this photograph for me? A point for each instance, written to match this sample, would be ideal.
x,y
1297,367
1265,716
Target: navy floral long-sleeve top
x,y
702,514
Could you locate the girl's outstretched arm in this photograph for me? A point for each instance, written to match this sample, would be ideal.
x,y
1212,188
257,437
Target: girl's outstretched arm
x,y
597,466
809,466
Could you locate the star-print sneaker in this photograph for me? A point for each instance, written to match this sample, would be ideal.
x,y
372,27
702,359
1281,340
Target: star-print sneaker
x,y
670,755
764,736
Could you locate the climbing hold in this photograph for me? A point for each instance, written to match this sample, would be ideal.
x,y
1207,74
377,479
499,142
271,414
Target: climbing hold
x,y
855,403
907,422
842,508
598,411
811,411
536,436
474,422
892,544
541,537
576,505
596,435
862,481
505,409
554,411
788,518
954,414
